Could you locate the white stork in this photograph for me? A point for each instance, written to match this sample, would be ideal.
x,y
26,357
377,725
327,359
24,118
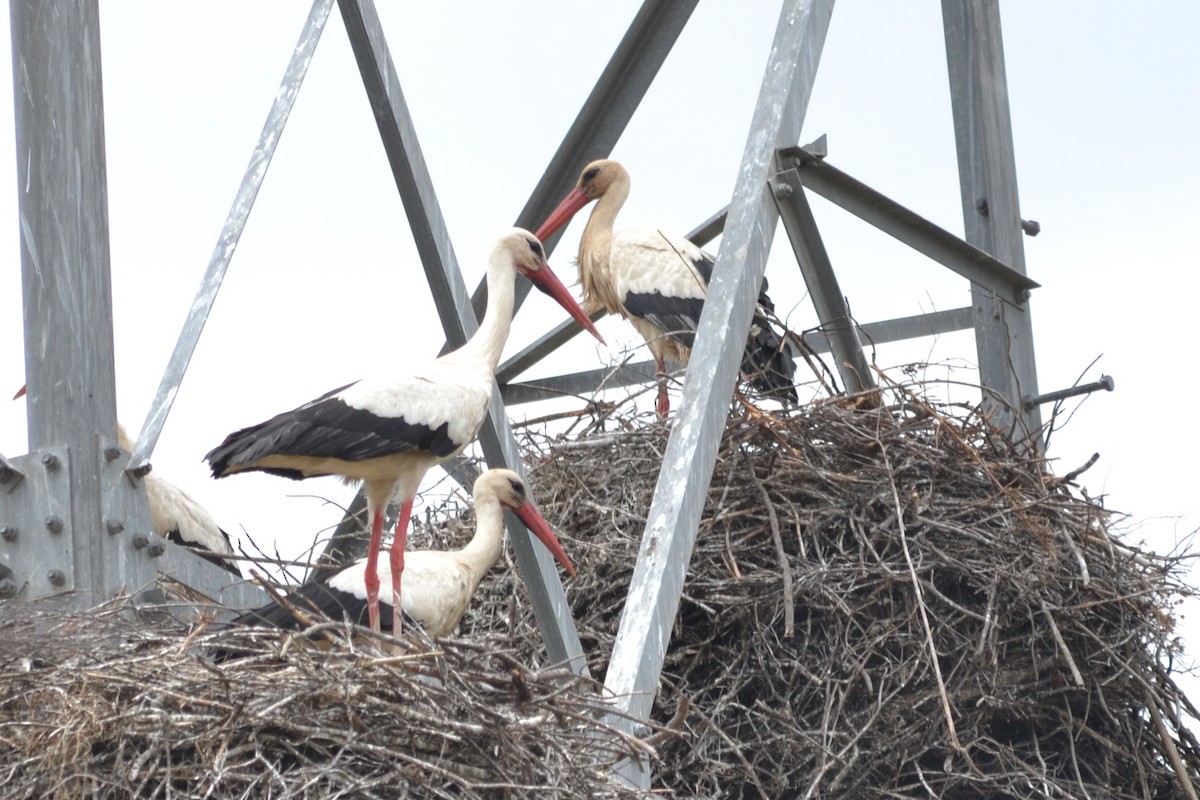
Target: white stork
x,y
175,515
387,431
438,584
658,281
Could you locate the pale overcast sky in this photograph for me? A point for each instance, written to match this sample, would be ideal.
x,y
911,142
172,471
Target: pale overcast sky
x,y
326,284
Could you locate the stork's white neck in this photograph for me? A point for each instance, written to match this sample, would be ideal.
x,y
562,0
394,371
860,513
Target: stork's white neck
x,y
594,246
484,548
488,342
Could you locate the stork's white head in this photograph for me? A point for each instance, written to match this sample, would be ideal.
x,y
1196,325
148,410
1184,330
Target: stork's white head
x,y
524,252
507,488
597,179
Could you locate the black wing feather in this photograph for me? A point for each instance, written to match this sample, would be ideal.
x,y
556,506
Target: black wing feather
x,y
326,428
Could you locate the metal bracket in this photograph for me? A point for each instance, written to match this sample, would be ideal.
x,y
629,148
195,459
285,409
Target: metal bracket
x,y
887,215
36,528
1106,383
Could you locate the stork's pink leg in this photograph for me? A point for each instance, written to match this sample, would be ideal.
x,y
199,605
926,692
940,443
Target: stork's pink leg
x,y
664,404
371,578
396,556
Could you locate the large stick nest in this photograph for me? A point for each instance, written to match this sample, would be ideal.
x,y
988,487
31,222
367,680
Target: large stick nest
x,y
100,705
882,602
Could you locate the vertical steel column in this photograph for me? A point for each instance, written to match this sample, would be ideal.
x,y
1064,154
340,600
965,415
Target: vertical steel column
x,y
453,305
991,213
679,496
62,188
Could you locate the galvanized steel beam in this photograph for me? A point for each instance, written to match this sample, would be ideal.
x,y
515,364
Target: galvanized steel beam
x,y
991,211
679,496
231,233
454,306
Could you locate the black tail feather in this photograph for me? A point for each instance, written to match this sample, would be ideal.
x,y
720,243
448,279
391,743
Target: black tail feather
x,y
768,363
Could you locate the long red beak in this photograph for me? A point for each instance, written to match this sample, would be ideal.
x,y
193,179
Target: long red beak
x,y
20,393
548,282
541,529
562,215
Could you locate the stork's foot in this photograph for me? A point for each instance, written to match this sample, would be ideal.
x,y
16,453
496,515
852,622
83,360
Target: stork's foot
x,y
664,404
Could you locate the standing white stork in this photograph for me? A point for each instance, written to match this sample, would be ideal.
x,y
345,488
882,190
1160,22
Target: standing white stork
x,y
438,584
175,514
388,431
658,281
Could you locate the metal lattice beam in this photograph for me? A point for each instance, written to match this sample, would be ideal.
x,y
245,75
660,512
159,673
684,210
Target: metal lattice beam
x,y
454,306
76,524
991,213
679,496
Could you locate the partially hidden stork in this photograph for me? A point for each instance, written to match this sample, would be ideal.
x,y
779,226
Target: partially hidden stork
x,y
659,281
387,431
438,584
175,514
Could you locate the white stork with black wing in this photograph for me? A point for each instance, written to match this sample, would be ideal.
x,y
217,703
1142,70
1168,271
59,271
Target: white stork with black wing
x,y
659,281
388,431
438,584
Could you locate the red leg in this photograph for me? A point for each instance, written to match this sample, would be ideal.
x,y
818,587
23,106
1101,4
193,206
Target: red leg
x,y
371,578
396,557
664,404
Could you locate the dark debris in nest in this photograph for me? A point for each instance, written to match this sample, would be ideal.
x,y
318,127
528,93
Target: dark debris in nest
x,y
840,549
104,705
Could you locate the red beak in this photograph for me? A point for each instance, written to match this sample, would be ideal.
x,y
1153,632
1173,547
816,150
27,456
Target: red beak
x,y
562,215
541,529
20,393
548,282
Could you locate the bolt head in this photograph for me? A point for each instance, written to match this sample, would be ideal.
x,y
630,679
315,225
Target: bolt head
x,y
8,587
156,549
54,524
140,541
6,474
112,454
51,462
56,577
8,532
115,526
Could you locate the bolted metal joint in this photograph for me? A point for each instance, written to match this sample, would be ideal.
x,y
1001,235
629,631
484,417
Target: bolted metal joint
x,y
51,462
140,541
157,548
8,533
114,526
56,577
781,190
142,471
54,523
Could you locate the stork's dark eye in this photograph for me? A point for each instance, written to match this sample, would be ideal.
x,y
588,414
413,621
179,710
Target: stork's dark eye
x,y
536,247
591,174
518,488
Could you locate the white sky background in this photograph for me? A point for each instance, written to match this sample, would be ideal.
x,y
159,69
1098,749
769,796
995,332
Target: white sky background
x,y
326,284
